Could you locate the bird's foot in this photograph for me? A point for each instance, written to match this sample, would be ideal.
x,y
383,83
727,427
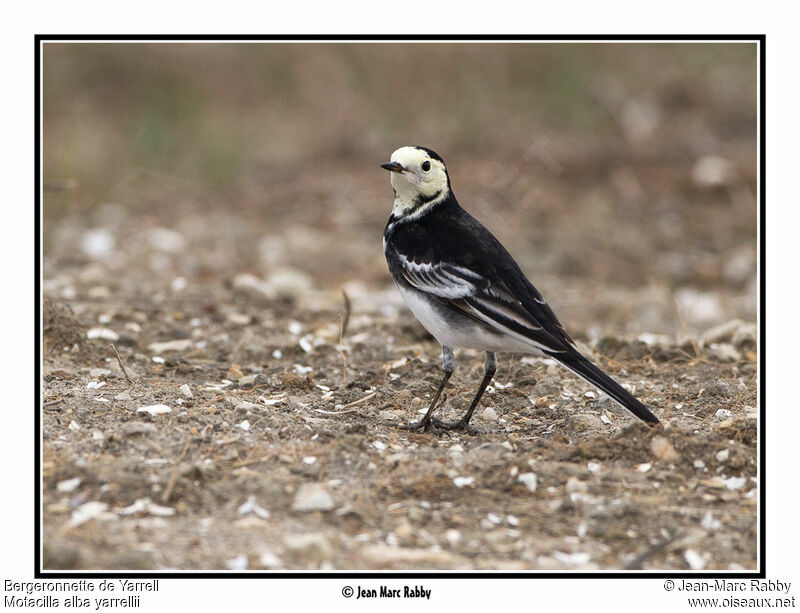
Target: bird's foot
x,y
424,425
456,425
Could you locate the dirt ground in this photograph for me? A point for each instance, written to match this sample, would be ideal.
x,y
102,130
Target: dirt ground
x,y
212,211
280,449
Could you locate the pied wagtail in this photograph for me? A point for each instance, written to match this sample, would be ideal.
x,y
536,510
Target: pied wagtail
x,y
466,289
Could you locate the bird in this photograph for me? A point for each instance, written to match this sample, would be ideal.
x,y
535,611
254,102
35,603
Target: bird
x,y
467,290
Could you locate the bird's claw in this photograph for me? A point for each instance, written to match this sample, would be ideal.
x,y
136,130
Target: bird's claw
x,y
456,425
426,426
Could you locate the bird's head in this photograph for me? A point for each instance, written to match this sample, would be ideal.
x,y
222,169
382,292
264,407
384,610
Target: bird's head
x,y
419,179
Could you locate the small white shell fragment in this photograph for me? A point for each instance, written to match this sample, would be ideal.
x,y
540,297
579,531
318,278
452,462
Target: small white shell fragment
x,y
166,346
643,468
102,332
95,385
512,520
723,455
185,391
463,481
244,425
277,354
90,510
158,359
68,485
735,483
694,559
453,536
237,563
699,464
529,480
154,409
309,459
723,413
74,425
379,445
251,506
494,518
145,505
593,466
709,523
575,559
302,370
489,414
270,560
97,435
604,418
295,327
306,343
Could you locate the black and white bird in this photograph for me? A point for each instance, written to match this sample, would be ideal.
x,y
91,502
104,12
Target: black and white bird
x,y
466,289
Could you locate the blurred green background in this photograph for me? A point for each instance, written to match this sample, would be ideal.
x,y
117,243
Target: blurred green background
x,y
211,113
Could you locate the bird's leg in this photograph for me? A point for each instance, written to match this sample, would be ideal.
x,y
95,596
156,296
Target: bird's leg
x,y
489,368
449,365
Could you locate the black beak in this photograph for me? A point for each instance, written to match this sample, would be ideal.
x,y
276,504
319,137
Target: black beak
x,y
393,166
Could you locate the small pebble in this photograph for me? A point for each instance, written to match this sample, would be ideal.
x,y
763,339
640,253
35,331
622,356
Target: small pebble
x,y
735,483
68,485
154,409
489,414
529,480
663,449
312,497
185,391
463,481
723,455
694,559
237,563
270,560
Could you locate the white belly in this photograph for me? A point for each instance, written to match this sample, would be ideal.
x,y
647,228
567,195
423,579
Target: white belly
x,y
463,333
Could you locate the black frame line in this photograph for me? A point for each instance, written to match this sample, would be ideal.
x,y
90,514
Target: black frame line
x,y
760,39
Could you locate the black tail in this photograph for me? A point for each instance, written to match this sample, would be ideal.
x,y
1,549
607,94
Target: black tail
x,y
586,370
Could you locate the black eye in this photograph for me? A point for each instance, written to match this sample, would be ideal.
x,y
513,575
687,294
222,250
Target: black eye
x,y
426,165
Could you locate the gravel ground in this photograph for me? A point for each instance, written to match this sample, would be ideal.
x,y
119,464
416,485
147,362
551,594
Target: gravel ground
x,y
257,431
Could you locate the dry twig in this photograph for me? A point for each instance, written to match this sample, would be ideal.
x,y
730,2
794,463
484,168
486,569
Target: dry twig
x,y
121,365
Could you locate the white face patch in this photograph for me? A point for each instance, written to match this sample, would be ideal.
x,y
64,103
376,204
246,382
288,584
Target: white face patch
x,y
423,178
